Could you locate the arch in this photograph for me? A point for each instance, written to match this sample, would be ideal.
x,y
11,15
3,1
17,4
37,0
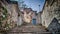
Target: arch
x,y
55,20
54,26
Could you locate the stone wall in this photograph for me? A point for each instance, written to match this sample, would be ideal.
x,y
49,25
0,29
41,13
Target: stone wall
x,y
27,15
20,19
13,11
50,11
39,18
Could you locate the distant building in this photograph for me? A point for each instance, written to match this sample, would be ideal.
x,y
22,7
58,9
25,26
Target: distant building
x,y
39,18
29,15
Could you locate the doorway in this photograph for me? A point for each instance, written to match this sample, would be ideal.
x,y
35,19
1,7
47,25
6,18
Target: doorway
x,y
34,21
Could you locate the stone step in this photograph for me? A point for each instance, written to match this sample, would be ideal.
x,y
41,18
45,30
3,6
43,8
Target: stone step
x,y
29,33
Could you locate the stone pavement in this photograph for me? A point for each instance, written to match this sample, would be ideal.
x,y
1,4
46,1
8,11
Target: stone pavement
x,y
28,29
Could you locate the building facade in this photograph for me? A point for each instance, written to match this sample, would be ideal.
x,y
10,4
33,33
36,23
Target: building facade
x,y
50,11
12,13
29,15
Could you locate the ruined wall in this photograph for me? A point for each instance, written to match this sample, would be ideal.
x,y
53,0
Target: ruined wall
x,y
50,12
9,12
20,19
13,12
27,15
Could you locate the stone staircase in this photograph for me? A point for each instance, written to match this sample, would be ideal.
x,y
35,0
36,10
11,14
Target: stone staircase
x,y
29,29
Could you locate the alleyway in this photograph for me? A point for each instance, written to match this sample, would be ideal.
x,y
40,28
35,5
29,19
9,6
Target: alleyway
x,y
20,12
28,29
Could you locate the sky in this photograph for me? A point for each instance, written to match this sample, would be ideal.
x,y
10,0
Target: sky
x,y
34,4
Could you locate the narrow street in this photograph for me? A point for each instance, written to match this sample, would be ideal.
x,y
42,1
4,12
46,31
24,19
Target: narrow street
x,y
29,16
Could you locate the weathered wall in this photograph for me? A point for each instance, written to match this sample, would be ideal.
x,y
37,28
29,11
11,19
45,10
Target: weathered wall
x,y
13,11
38,18
20,19
27,15
50,12
12,14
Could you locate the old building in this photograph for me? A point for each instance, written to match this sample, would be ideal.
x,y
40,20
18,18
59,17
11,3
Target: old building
x,y
13,6
29,15
50,11
12,13
15,12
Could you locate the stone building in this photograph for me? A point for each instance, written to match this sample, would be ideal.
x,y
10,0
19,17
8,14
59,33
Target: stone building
x,y
13,7
51,11
13,10
29,15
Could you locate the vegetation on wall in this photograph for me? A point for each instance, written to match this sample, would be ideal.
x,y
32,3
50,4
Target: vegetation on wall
x,y
4,16
5,20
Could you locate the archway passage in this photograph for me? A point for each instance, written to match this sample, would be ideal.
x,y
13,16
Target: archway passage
x,y
54,26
